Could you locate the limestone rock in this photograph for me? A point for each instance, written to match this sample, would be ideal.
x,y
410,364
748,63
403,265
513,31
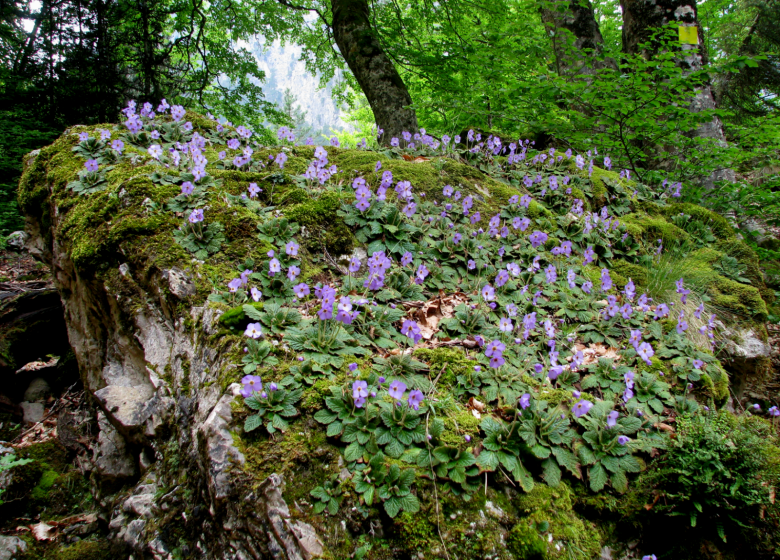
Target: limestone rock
x,y
32,412
16,240
745,355
179,283
38,390
11,547
111,457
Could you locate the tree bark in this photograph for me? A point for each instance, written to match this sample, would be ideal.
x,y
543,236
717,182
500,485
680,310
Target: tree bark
x,y
641,19
373,69
576,37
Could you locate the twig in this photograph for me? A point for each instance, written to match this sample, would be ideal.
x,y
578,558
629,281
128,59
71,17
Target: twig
x,y
436,494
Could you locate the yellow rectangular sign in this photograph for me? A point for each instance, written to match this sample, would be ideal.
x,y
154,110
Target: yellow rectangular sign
x,y
689,34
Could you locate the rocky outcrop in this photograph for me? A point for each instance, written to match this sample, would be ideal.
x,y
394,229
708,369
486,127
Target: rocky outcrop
x,y
162,413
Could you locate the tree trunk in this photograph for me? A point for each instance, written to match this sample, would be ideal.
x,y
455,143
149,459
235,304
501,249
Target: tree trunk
x,y
642,18
373,69
575,36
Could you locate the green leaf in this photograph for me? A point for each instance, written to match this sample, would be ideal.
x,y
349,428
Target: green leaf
x,y
597,477
487,460
252,312
393,506
252,422
353,452
552,473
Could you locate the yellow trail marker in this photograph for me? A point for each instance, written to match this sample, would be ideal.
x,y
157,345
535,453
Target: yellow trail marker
x,y
689,34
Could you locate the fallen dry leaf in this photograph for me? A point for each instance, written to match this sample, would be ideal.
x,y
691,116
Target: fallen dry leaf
x,y
664,427
592,352
44,532
35,366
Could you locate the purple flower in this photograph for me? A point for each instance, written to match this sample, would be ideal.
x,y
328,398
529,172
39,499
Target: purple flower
x,y
274,265
488,293
554,372
91,165
251,384
606,281
397,389
502,278
196,216
497,361
292,248
774,411
415,399
622,440
359,390
118,146
662,310
410,329
698,364
293,272
537,238
505,325
645,352
177,112
354,264
582,408
612,418
525,401
187,188
253,330
494,348
256,294
301,290
551,274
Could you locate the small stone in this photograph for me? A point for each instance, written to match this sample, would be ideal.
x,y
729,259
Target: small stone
x,y
38,390
10,546
180,284
494,511
32,412
16,240
124,269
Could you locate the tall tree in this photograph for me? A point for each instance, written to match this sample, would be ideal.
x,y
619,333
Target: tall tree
x,y
575,36
386,92
644,23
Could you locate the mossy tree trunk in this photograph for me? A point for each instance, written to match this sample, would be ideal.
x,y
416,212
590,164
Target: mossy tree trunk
x,y
386,92
576,37
642,19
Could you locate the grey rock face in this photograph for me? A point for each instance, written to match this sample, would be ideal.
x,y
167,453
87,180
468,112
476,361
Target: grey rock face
x,y
16,240
38,390
32,412
11,547
164,418
745,352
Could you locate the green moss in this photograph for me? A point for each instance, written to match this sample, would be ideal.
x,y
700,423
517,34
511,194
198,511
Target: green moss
x,y
525,542
325,228
41,490
578,537
458,423
235,317
720,225
88,550
450,362
627,270
415,532
650,229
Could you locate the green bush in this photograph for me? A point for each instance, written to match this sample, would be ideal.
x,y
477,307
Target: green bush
x,y
715,483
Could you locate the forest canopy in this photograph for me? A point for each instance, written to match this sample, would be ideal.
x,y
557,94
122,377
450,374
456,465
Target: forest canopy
x,y
599,76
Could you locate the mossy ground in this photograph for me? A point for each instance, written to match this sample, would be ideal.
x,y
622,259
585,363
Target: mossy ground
x,y
117,225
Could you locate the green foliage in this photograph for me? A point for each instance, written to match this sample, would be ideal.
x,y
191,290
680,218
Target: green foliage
x,y
274,409
199,240
718,473
8,462
329,496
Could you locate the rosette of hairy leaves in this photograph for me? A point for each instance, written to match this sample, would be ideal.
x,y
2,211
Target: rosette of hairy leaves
x,y
652,392
201,241
502,447
272,410
399,287
91,148
446,461
187,203
607,460
353,425
258,353
277,231
329,496
464,322
549,437
374,481
383,227
604,376
401,428
325,342
398,365
274,317
90,181
375,323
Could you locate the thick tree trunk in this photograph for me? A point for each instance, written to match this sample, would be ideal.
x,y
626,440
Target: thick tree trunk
x,y
641,19
373,69
575,34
